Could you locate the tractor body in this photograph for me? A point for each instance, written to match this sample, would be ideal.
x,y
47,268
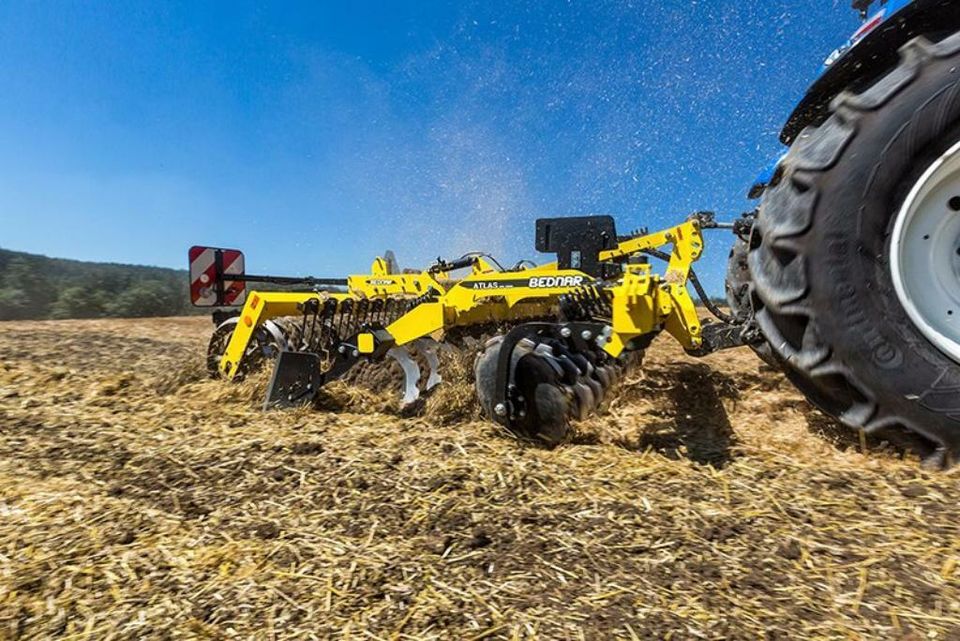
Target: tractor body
x,y
851,269
867,54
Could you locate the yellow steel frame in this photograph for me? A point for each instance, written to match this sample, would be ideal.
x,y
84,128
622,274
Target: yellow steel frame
x,y
642,302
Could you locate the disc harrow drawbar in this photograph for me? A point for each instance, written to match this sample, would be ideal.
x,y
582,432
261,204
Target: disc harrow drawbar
x,y
567,329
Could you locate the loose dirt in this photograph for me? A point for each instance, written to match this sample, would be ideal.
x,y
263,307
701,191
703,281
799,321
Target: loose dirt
x,y
140,500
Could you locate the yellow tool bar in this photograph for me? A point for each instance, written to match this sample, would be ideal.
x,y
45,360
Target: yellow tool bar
x,y
641,302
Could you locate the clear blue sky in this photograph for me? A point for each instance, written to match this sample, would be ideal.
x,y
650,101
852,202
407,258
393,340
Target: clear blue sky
x,y
315,135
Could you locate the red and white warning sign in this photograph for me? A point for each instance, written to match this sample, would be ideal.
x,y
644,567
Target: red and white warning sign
x,y
210,271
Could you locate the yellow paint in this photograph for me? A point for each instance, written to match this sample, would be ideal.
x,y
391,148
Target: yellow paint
x,y
365,343
642,302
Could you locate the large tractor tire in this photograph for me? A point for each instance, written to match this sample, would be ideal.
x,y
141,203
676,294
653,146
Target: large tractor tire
x,y
855,256
738,281
737,287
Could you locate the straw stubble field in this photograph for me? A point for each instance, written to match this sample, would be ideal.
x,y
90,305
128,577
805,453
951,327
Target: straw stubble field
x,y
140,500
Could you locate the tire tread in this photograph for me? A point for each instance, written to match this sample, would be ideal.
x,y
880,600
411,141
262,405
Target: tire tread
x,y
781,290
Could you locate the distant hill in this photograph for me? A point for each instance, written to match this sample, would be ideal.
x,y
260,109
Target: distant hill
x,y
38,287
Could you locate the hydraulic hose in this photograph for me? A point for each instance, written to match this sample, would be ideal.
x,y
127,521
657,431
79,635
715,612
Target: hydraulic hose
x,y
701,292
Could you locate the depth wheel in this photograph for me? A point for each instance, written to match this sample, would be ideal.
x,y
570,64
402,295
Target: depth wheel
x,y
855,256
265,346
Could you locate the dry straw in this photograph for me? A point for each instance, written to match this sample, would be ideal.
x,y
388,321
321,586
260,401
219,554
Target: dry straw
x,y
140,500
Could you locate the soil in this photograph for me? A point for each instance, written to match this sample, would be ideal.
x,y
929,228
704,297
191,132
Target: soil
x,y
139,499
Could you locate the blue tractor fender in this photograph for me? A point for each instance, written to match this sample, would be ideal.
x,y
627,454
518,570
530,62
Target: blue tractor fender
x,y
863,58
869,53
765,178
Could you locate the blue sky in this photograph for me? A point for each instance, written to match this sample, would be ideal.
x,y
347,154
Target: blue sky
x,y
315,135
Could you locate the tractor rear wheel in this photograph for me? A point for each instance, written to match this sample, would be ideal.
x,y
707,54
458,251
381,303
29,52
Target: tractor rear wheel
x,y
737,284
855,256
737,287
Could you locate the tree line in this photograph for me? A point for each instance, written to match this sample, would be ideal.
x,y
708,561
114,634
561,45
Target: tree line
x,y
36,287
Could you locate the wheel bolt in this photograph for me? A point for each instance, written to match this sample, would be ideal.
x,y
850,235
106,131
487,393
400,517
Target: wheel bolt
x,y
500,409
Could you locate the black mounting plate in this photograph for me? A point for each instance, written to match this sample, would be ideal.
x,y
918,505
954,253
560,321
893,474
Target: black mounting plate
x,y
295,380
577,241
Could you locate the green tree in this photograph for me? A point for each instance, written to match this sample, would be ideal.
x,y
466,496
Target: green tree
x,y
35,287
145,298
78,302
13,303
28,277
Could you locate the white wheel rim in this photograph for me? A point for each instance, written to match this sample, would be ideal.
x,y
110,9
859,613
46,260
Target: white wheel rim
x,y
925,254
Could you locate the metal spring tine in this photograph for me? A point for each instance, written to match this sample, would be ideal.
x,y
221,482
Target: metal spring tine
x,y
306,338
363,309
329,314
370,310
352,320
588,300
313,324
303,325
337,321
345,308
575,304
363,313
322,338
382,311
326,327
329,308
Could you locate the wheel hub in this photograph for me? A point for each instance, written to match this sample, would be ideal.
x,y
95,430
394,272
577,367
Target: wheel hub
x,y
925,253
